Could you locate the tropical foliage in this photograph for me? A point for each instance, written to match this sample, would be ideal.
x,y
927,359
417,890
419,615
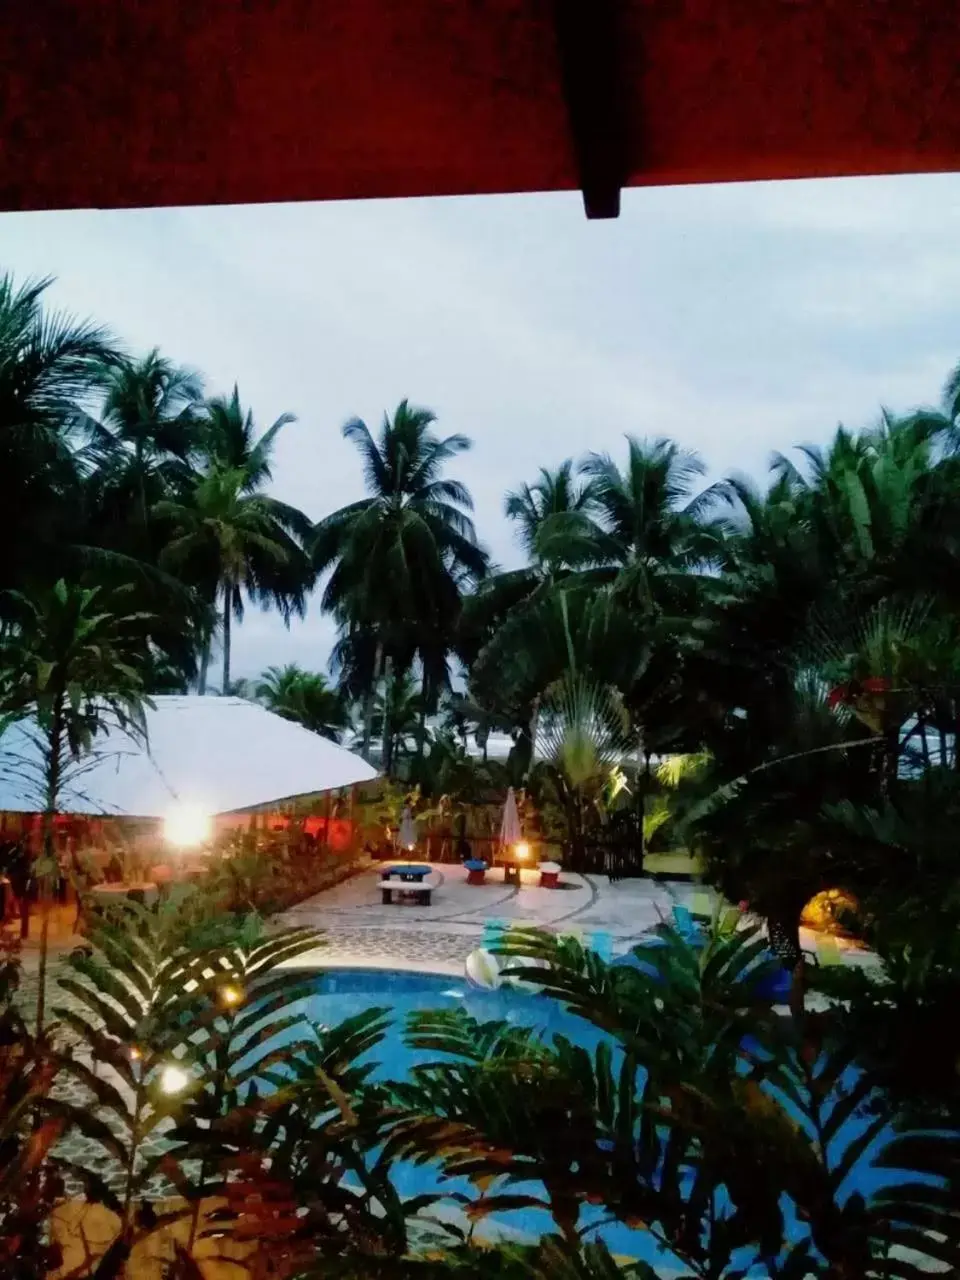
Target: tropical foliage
x,y
767,673
717,1138
306,697
117,473
399,560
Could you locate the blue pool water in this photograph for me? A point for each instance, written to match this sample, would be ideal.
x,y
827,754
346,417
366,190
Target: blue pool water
x,y
342,993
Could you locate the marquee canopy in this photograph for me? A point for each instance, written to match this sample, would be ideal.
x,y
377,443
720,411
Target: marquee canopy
x,y
152,102
216,755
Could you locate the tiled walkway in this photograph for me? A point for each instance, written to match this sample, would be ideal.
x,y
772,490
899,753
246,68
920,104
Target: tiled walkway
x,y
360,930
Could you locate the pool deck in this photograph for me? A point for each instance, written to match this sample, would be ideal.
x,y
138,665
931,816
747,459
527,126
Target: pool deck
x,y
359,930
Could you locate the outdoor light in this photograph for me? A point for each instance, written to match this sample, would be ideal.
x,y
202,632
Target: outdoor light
x,y
522,850
135,1053
186,826
231,995
173,1080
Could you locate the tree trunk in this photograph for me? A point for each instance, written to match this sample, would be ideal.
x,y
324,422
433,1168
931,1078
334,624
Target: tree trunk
x,y
642,785
48,854
368,703
204,666
890,761
925,746
227,603
784,933
386,749
422,726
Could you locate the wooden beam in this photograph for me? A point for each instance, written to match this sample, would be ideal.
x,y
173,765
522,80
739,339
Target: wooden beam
x,y
587,38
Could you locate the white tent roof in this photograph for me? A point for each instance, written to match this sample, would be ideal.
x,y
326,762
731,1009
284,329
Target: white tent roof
x,y
215,754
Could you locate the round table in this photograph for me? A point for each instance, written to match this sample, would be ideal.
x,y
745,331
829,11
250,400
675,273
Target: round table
x,y
413,872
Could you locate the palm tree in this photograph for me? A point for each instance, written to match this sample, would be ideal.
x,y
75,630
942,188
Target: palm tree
x,y
398,559
234,543
654,532
552,517
306,697
397,716
149,428
583,737
555,526
51,365
74,663
231,440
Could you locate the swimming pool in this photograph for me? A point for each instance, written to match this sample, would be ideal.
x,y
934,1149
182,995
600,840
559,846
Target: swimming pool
x,y
342,993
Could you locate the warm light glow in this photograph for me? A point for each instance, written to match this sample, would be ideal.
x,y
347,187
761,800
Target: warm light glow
x,y
231,995
186,826
522,850
135,1054
830,911
173,1080
411,847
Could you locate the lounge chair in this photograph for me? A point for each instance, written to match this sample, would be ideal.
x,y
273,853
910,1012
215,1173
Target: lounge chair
x,y
601,943
493,932
686,926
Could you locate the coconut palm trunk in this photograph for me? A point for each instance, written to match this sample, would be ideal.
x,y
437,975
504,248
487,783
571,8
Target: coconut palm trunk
x,y
386,750
227,609
204,667
369,701
422,718
47,877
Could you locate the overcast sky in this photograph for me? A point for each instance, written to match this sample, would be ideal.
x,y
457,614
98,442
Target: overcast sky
x,y
738,319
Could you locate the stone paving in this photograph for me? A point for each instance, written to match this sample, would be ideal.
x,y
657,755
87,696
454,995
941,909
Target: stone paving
x,y
360,930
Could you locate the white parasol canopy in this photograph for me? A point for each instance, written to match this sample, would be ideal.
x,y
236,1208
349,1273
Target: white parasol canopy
x,y
510,832
216,755
407,836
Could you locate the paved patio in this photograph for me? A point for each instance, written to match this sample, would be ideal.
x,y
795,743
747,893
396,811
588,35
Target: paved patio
x,y
361,930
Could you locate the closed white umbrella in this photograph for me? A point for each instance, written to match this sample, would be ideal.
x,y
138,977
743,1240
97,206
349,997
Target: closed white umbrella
x,y
407,836
510,832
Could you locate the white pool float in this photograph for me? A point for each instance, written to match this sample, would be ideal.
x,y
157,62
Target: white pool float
x,y
483,969
521,984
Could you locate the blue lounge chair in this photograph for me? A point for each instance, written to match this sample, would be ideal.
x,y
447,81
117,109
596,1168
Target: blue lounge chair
x,y
686,926
602,943
776,985
493,932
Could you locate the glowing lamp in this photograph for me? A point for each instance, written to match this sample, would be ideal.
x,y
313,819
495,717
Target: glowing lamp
x,y
173,1080
522,850
231,995
186,826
